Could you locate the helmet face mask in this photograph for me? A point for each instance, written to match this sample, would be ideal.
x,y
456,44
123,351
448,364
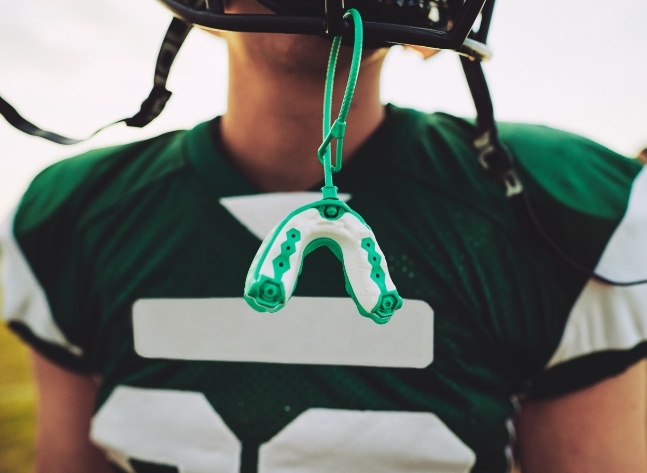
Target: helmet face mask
x,y
441,24
434,14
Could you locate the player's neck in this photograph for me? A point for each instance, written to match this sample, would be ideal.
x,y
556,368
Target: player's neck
x,y
273,126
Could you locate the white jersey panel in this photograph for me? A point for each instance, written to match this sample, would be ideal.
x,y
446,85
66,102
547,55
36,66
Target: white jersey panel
x,y
607,317
23,299
181,429
625,258
176,428
327,440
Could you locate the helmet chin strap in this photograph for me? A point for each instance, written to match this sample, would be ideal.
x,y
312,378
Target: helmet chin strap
x,y
494,158
328,222
151,107
497,162
203,12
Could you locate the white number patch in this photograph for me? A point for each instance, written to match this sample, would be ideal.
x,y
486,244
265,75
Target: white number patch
x,y
182,429
177,428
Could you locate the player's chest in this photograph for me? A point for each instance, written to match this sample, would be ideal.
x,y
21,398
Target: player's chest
x,y
310,390
270,418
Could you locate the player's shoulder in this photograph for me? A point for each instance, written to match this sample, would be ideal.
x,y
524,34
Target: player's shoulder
x,y
545,150
576,186
527,140
561,163
573,172
97,179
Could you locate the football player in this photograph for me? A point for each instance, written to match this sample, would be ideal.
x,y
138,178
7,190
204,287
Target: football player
x,y
518,250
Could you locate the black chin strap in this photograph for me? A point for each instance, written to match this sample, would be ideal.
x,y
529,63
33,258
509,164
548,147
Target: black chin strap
x,y
150,108
493,156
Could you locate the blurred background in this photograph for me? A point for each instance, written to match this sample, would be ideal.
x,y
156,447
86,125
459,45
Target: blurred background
x,y
72,66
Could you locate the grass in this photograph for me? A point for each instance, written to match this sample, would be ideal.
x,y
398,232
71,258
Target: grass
x,y
17,405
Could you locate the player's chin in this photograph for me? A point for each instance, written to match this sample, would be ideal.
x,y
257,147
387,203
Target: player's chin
x,y
313,54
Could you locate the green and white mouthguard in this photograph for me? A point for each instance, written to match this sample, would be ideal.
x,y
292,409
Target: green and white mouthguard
x,y
272,277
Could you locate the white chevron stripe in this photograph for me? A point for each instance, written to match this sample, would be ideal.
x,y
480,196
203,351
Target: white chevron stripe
x,y
260,213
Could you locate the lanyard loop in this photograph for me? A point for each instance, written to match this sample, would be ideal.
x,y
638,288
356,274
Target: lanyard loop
x,y
338,129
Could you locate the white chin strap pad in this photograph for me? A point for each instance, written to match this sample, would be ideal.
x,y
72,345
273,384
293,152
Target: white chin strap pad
x,y
272,277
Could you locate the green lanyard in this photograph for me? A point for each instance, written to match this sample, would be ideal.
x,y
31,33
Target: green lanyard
x,y
338,129
328,222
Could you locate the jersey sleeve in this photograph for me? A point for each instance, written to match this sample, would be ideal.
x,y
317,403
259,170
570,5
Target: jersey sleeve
x,y
593,204
44,273
53,293
606,330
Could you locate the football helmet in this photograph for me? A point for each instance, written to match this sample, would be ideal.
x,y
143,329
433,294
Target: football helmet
x,y
440,24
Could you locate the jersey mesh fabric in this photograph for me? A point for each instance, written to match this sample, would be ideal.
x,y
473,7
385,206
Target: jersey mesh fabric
x,y
144,221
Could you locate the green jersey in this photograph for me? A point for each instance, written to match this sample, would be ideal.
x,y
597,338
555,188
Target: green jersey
x,y
129,263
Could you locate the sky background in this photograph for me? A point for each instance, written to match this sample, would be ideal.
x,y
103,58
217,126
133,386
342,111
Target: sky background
x,y
72,66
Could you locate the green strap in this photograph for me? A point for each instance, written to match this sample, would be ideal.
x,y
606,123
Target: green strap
x,y
338,128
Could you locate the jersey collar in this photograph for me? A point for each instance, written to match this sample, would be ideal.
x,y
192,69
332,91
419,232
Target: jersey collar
x,y
206,155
